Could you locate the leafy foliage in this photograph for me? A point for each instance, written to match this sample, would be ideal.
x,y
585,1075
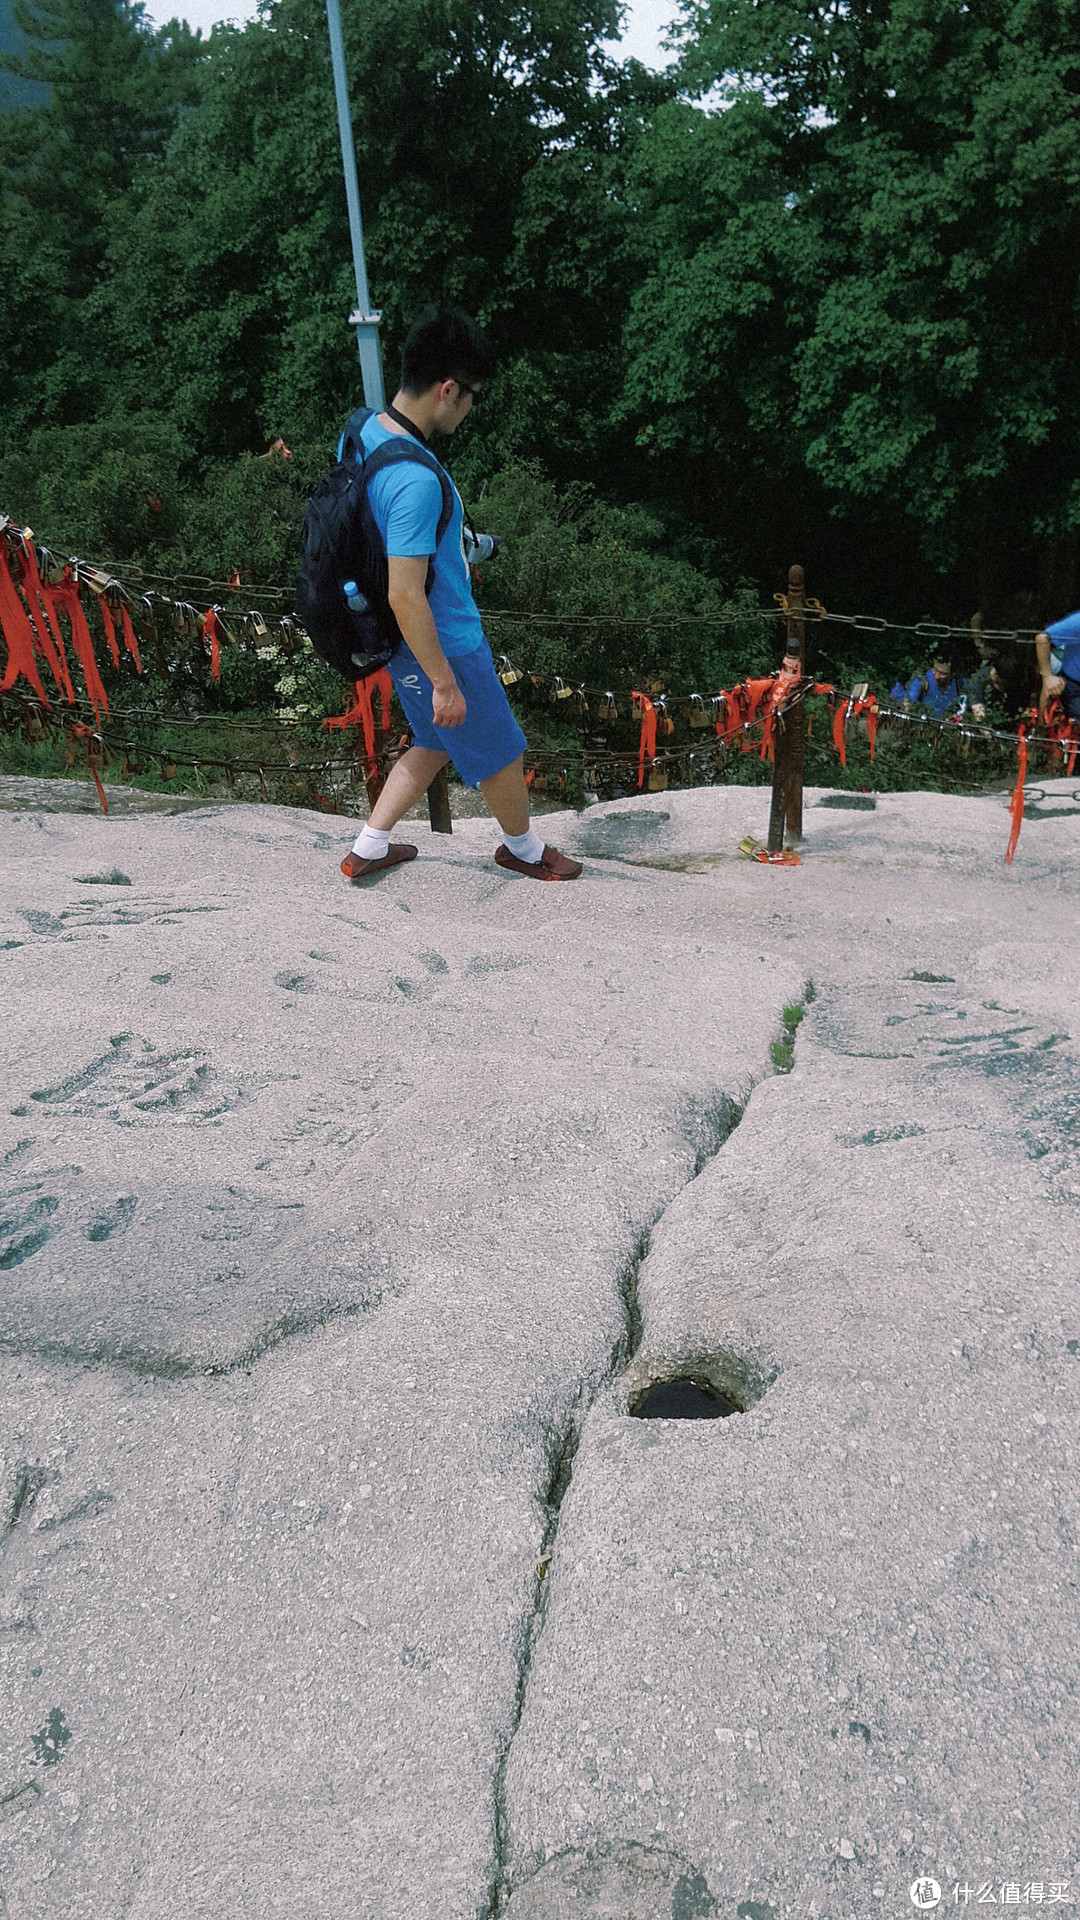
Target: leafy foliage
x,y
816,295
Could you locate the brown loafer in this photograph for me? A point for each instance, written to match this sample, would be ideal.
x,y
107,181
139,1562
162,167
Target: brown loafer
x,y
551,865
354,868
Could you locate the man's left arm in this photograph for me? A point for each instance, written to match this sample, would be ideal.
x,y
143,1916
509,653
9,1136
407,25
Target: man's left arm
x,y
1052,683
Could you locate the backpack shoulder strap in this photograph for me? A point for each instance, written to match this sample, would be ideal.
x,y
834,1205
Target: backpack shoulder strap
x,y
350,442
390,453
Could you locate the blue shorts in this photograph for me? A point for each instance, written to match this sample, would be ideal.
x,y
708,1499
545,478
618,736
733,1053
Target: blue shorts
x,y
488,738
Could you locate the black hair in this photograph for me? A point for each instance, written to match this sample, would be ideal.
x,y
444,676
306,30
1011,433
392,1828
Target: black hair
x,y
445,344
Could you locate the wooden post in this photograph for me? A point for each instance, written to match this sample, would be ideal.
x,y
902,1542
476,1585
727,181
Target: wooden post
x,y
789,728
796,718
775,843
438,800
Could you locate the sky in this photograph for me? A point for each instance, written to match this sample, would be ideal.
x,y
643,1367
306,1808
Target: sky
x,y
646,21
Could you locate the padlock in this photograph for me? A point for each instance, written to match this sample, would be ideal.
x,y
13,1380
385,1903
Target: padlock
x,y
581,704
658,779
698,715
560,690
168,768
507,672
539,781
665,725
259,626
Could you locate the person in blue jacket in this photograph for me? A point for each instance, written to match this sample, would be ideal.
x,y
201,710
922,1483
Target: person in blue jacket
x,y
1058,654
936,692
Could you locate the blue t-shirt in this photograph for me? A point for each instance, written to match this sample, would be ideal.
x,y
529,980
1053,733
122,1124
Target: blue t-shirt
x,y
1065,643
406,500
937,700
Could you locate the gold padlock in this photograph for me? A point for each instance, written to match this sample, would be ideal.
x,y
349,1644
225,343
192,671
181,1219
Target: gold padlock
x,y
507,672
658,779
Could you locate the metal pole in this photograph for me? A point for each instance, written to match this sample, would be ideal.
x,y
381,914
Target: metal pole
x,y
364,320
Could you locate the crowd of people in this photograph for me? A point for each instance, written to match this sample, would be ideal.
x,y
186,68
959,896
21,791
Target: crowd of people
x,y
1012,679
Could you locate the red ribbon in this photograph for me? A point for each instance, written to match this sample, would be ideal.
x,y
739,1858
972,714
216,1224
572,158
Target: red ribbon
x,y
361,713
67,597
110,631
838,725
782,684
647,743
1016,804
211,632
854,709
728,726
46,626
130,641
80,731
18,632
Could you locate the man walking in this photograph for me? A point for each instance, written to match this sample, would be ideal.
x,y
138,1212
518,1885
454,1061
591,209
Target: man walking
x,y
443,675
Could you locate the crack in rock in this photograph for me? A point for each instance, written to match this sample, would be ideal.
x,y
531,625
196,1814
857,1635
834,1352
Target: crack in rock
x,y
708,1127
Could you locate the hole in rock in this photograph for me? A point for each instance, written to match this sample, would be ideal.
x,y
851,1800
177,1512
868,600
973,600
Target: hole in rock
x,y
684,1399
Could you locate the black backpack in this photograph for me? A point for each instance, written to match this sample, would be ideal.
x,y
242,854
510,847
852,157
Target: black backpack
x,y
342,542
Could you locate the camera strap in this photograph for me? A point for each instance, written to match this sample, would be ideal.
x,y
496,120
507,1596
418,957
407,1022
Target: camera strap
x,y
410,426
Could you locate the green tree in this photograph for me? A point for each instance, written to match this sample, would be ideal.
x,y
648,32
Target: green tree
x,y
115,88
885,300
230,271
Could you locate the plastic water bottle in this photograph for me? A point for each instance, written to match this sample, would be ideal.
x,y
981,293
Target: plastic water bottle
x,y
354,599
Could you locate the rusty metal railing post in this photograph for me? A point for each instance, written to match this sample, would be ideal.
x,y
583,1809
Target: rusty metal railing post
x,y
796,717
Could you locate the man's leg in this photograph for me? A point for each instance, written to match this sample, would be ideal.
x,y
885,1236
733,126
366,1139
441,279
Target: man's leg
x,y
408,778
508,797
523,849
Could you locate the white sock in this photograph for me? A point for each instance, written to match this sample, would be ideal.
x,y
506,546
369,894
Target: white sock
x,y
371,843
526,846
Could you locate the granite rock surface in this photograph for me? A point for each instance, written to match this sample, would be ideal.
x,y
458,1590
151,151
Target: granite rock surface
x,y
342,1228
